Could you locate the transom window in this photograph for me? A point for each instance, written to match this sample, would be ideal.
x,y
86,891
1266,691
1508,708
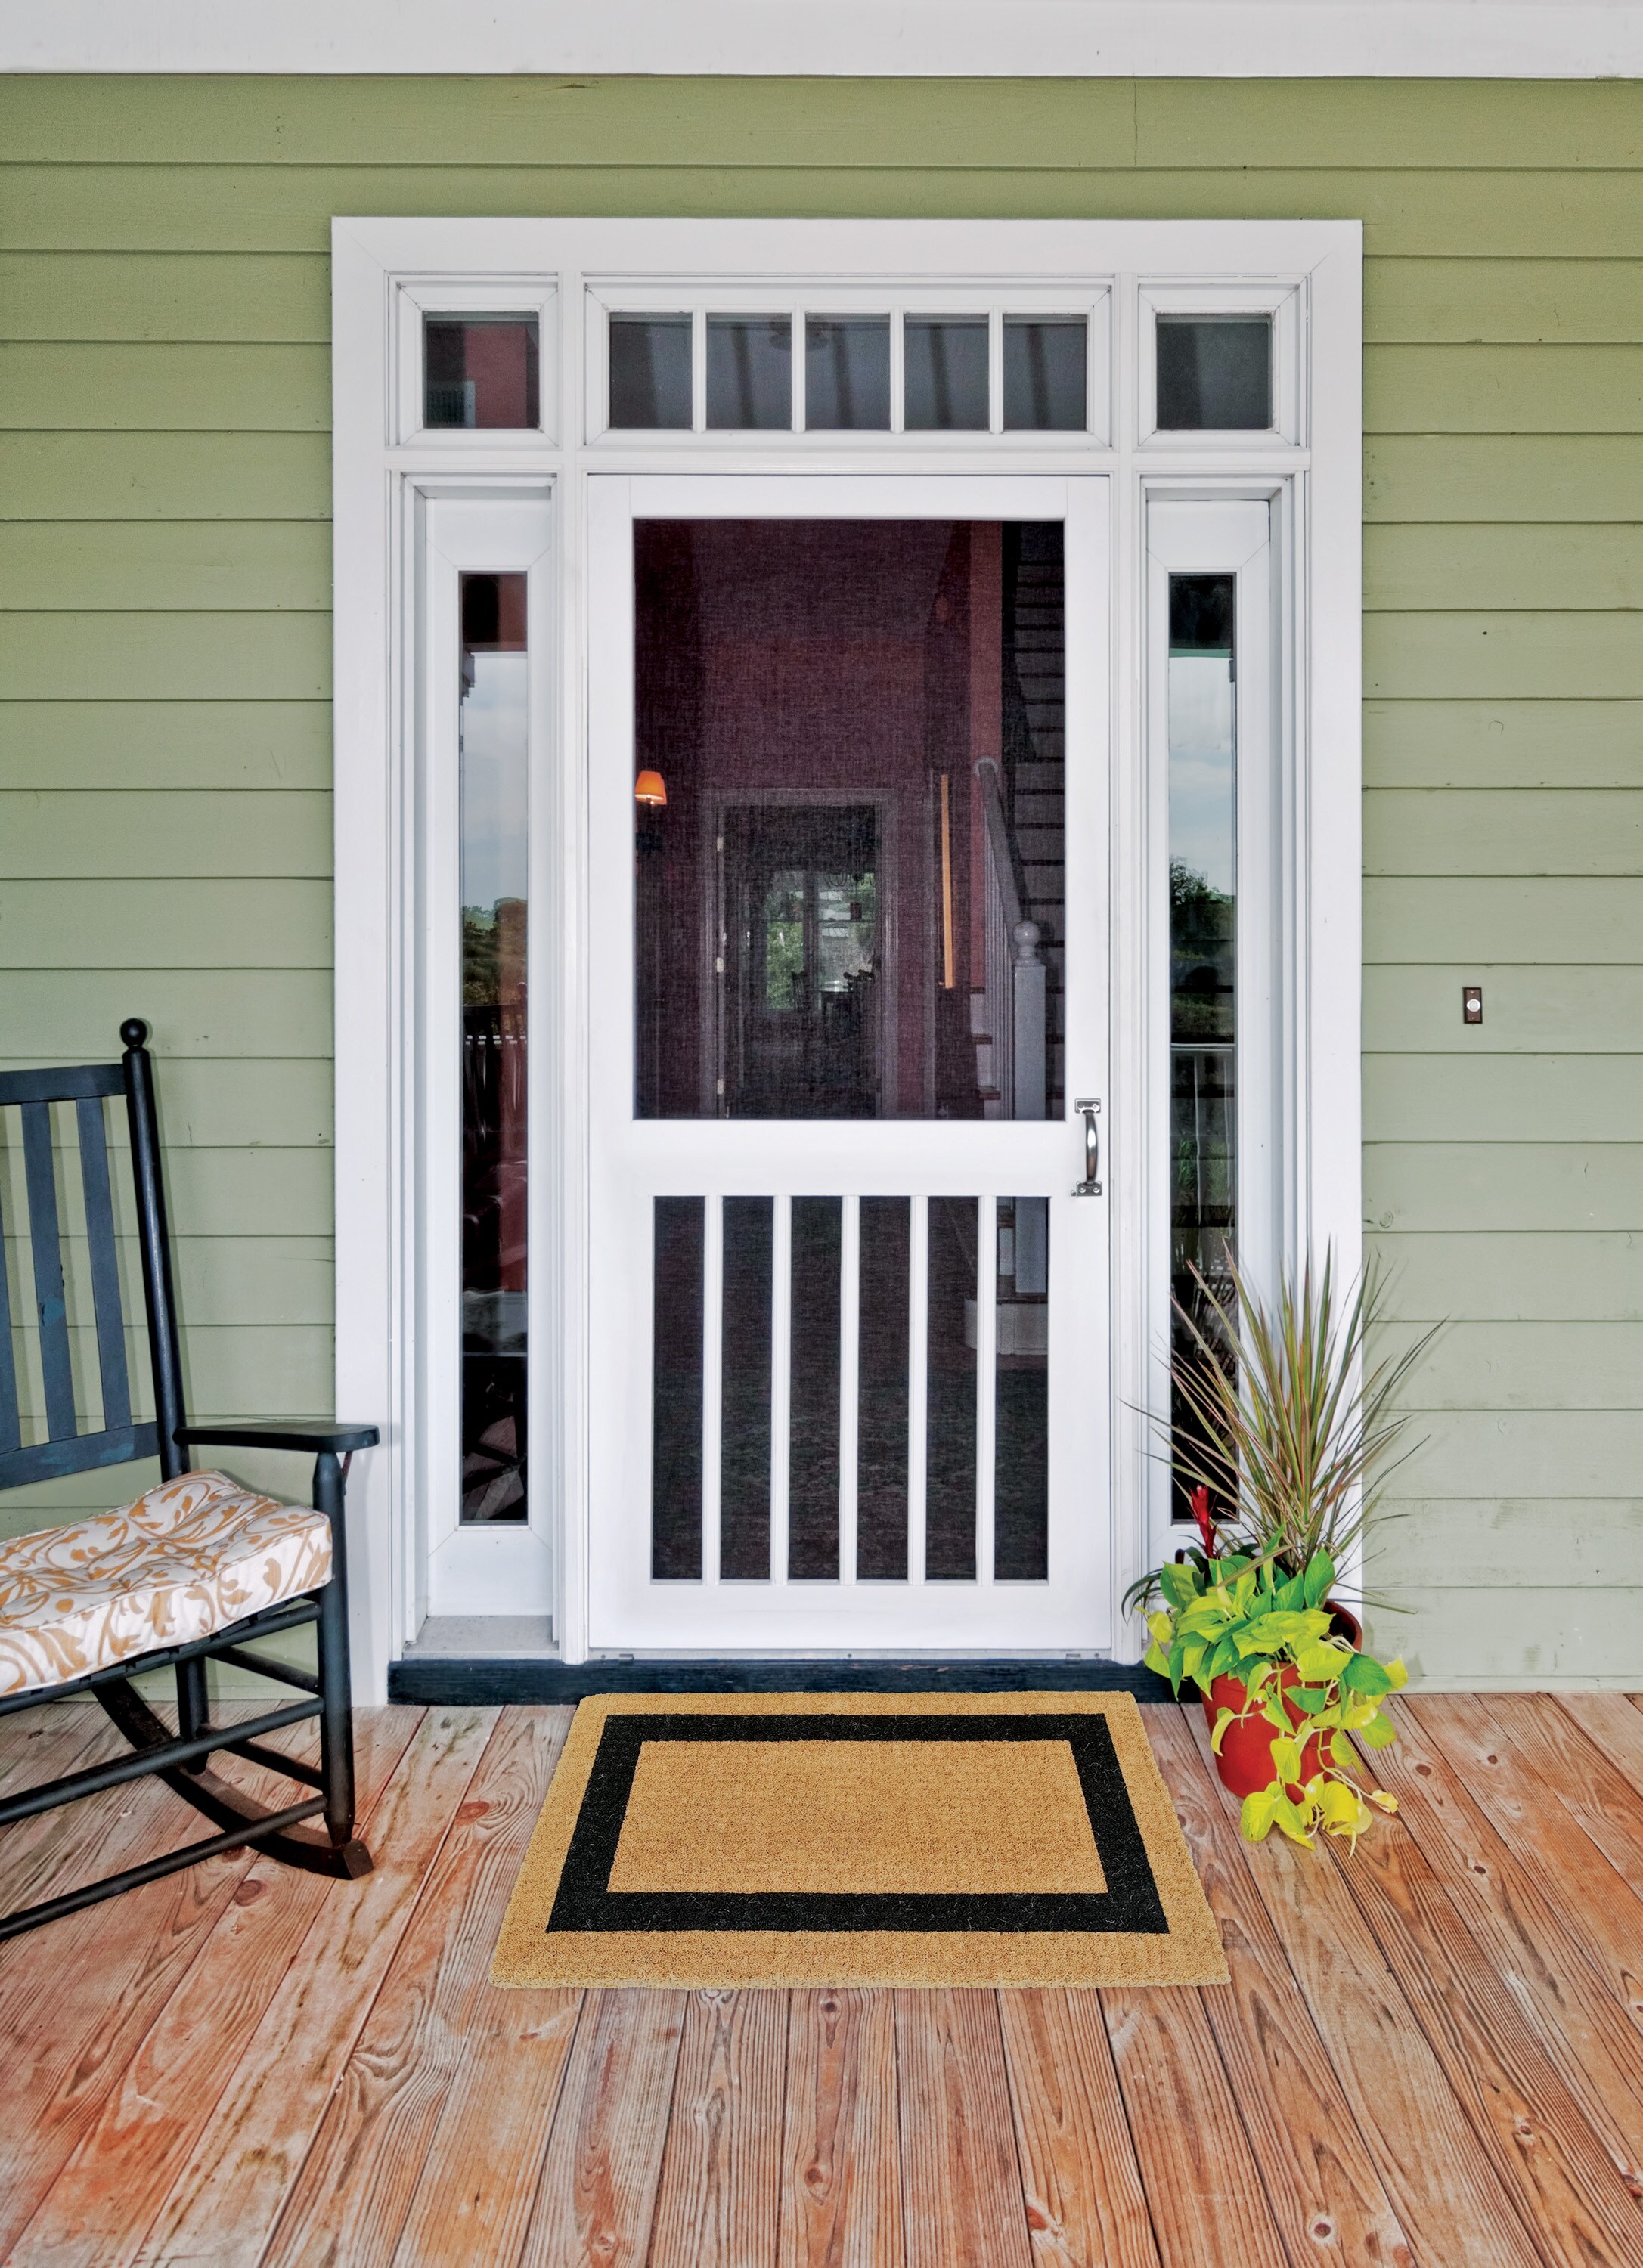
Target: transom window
x,y
1036,364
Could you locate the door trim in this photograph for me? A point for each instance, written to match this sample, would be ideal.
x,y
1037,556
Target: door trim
x,y
1314,483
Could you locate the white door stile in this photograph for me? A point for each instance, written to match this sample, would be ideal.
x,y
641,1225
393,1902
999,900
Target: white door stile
x,y
917,1384
712,1382
849,1382
781,1378
986,1382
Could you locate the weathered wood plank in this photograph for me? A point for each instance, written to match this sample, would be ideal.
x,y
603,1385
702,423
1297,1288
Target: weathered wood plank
x,y
1085,2201
1592,1789
118,1990
1442,2187
1207,2205
229,2189
596,2197
364,2170
1601,1911
840,2190
1613,1723
718,2201
1568,2189
1524,1934
962,2200
1319,2178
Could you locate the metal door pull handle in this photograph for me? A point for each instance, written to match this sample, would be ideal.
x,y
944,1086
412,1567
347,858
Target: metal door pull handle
x,y
1089,1186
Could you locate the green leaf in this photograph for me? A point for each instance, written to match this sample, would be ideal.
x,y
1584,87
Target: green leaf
x,y
1361,1673
1179,1584
1319,1579
1258,1810
1378,1732
1223,1718
1342,1752
1223,1659
1308,1698
1178,1657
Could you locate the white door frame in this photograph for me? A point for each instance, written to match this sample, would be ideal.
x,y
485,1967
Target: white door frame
x,y
633,1159
385,272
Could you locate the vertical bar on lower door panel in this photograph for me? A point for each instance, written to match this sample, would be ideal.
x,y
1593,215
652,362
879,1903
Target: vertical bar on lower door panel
x,y
918,1380
882,1360
849,1384
744,1442
986,1365
712,1382
781,1378
813,1410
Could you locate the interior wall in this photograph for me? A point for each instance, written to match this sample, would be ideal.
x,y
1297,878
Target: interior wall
x,y
164,664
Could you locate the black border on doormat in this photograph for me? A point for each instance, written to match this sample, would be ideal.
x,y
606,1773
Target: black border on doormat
x,y
437,1682
1128,1904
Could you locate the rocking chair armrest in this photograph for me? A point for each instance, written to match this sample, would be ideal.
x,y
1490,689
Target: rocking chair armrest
x,y
316,1436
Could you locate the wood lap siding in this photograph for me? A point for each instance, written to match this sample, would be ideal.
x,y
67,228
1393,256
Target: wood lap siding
x,y
164,661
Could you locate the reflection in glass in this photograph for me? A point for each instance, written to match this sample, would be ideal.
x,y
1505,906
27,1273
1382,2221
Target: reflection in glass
x,y
750,372
744,1504
493,745
1202,944
950,1418
677,1284
481,370
847,373
1046,385
944,374
860,730
1214,373
814,1420
1021,1391
882,1408
650,372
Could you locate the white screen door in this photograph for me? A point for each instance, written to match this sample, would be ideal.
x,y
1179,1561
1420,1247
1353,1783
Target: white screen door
x,y
849,788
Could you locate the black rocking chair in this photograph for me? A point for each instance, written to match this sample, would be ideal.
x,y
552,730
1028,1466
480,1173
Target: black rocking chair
x,y
194,1570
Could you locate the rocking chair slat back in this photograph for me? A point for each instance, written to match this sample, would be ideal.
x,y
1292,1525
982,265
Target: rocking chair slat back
x,y
100,1228
28,1097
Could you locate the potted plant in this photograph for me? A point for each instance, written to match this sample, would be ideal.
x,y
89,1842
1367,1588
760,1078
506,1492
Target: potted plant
x,y
1285,1432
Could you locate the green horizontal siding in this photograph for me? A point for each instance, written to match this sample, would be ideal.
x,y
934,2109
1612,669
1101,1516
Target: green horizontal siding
x,y
164,662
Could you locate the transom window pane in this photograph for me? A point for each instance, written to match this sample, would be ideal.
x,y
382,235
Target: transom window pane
x,y
847,373
1046,383
849,803
492,816
1203,951
944,360
750,372
649,372
481,370
1214,373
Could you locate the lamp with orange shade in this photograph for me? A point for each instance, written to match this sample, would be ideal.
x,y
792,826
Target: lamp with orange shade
x,y
651,789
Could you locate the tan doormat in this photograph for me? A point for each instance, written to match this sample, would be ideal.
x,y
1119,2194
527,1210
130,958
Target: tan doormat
x,y
882,1838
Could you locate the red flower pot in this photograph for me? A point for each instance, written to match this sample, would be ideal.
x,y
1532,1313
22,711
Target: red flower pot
x,y
1245,1761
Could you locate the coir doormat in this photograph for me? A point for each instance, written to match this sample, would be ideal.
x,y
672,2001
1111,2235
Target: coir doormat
x,y
825,1838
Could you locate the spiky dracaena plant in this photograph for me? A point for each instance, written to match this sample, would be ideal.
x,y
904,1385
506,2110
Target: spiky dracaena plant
x,y
1296,1440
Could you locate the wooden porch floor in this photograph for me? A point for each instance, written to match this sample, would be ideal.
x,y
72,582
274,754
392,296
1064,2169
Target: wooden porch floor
x,y
1431,2052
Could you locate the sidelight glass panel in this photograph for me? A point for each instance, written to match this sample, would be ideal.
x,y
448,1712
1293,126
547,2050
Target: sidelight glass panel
x,y
677,1286
744,1500
1022,1393
812,1490
1046,383
650,372
493,799
848,795
847,373
750,372
1203,951
1214,373
944,374
481,370
950,1414
881,1420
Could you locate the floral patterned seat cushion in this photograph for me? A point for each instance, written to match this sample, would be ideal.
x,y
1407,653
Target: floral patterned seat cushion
x,y
189,1558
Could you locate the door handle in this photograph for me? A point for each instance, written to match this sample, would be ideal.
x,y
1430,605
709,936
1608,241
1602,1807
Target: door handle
x,y
1089,1186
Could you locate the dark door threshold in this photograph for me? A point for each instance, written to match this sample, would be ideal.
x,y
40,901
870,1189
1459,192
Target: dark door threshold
x,y
435,1681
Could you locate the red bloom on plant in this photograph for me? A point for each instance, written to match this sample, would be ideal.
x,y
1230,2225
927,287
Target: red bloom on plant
x,y
1206,1525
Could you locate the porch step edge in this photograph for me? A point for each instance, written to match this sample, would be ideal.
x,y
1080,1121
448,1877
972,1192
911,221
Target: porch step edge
x,y
434,1681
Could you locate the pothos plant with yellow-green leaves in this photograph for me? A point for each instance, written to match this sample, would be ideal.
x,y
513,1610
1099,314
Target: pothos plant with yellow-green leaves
x,y
1250,1635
